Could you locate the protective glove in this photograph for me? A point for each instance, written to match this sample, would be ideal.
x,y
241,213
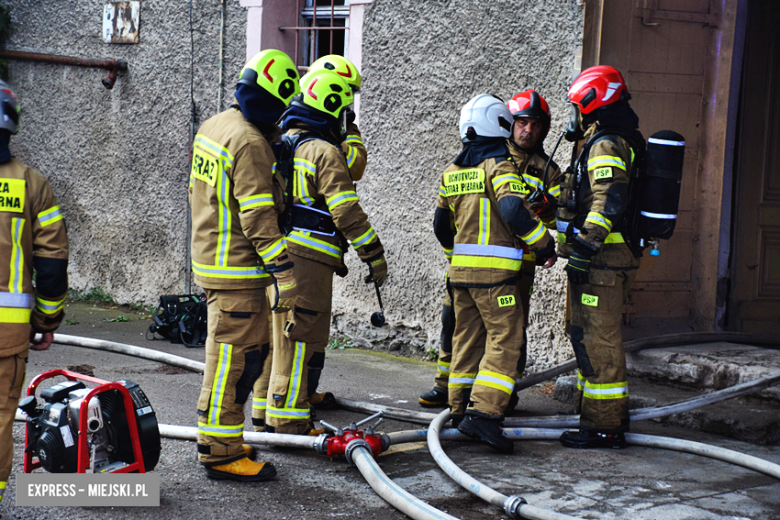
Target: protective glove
x,y
285,291
377,270
578,268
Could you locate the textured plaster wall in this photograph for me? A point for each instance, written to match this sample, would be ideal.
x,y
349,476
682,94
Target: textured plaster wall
x,y
421,62
118,159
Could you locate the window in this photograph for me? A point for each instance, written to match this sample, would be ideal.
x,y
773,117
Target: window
x,y
322,30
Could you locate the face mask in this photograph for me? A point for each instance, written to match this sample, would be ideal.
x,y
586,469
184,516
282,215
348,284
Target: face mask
x,y
574,131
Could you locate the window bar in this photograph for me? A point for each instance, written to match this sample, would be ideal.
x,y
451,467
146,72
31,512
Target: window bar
x,y
332,16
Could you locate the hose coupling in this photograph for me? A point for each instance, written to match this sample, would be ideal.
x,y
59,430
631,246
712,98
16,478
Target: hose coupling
x,y
321,443
512,505
352,446
385,441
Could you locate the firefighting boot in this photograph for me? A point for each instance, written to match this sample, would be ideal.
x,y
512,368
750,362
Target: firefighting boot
x,y
513,400
242,470
436,398
586,439
323,401
251,454
312,431
488,431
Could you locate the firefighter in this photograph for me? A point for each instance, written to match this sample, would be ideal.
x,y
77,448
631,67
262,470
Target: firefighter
x,y
355,152
325,213
483,217
530,127
34,238
601,266
238,251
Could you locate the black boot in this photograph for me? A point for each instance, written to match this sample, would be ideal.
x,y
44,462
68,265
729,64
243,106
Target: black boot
x,y
510,407
436,398
586,439
323,401
487,431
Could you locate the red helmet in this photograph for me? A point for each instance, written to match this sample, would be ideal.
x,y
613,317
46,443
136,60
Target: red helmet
x,y
530,104
597,87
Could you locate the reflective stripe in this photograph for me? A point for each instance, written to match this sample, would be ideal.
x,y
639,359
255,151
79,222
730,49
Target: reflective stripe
x,y
665,142
495,380
555,191
484,221
295,374
15,279
534,236
213,271
364,239
302,167
482,250
486,262
353,139
50,306
273,250
14,315
264,199
298,237
351,156
561,226
602,391
500,180
303,164
288,413
19,300
444,367
596,218
442,191
533,181
220,380
658,215
461,380
447,253
216,148
614,238
341,198
225,220
50,216
606,160
259,404
213,430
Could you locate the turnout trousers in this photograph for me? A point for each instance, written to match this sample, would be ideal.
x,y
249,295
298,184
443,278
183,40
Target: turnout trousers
x,y
486,349
236,349
12,373
260,390
525,289
300,338
597,339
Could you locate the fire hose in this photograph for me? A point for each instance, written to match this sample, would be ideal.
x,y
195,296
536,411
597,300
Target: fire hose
x,y
360,455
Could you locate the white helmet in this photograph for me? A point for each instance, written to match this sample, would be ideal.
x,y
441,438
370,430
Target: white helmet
x,y
485,116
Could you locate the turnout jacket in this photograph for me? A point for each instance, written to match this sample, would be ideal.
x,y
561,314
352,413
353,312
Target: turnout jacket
x,y
603,198
355,152
235,199
32,237
483,221
322,182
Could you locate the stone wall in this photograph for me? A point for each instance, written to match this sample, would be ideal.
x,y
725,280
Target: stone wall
x,y
119,159
421,62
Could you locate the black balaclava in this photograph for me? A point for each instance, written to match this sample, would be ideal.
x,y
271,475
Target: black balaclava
x,y
258,106
481,149
5,152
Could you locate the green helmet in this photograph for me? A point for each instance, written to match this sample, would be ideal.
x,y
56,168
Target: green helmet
x,y
272,71
327,93
341,66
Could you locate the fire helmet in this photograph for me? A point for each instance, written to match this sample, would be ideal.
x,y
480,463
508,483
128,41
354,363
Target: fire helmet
x,y
328,94
485,116
530,104
274,72
341,66
597,87
10,109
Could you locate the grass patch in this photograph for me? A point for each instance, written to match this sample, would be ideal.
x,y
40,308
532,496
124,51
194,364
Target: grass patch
x,y
119,319
432,355
339,343
71,322
95,294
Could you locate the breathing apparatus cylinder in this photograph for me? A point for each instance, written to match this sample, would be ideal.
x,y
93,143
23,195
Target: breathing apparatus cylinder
x,y
659,193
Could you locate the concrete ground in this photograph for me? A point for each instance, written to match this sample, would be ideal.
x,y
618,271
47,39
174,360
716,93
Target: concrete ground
x,y
636,483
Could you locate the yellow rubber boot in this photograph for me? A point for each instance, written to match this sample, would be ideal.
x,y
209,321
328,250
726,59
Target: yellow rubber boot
x,y
251,454
242,470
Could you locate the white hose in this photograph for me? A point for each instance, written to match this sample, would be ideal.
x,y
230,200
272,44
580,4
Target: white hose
x,y
190,433
131,350
393,494
514,506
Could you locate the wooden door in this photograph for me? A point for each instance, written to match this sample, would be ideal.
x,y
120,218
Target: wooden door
x,y
660,46
755,289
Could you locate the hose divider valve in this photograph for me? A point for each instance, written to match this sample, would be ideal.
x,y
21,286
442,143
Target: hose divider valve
x,y
512,506
352,446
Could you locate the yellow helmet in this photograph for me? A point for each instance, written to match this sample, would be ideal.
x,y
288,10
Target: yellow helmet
x,y
274,72
341,66
327,93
